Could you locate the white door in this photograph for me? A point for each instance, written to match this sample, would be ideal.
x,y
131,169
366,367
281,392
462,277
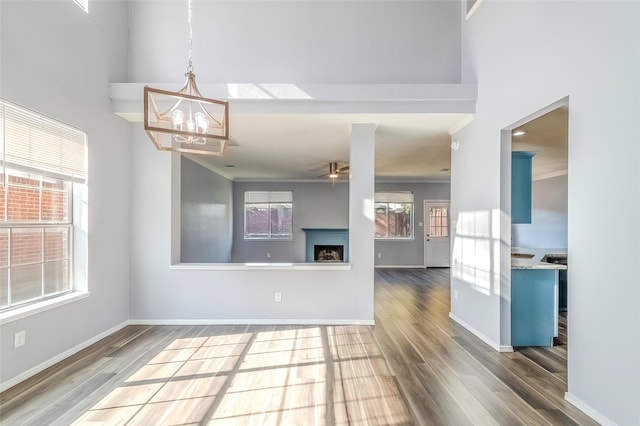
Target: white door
x,y
436,234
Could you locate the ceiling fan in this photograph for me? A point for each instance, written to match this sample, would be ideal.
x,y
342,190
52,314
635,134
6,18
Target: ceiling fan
x,y
334,170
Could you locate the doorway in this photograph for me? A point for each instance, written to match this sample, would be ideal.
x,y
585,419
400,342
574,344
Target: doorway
x,y
545,135
437,253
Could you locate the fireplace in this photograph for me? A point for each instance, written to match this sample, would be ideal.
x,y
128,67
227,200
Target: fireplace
x,y
334,240
328,253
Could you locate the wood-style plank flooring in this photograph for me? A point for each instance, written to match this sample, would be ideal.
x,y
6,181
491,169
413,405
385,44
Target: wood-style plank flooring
x,y
416,366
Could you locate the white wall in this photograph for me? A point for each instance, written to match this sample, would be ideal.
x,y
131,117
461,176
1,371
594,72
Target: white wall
x,y
59,61
161,294
298,41
548,227
525,56
320,42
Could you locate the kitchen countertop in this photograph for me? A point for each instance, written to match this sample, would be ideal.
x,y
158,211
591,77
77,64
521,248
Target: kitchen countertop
x,y
535,262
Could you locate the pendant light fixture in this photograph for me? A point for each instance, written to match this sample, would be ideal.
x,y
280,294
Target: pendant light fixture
x,y
185,121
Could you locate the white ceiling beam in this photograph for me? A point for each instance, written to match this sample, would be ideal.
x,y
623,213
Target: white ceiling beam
x,y
126,98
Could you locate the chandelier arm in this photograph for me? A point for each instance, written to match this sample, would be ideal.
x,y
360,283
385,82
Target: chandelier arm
x,y
193,86
184,88
216,122
170,110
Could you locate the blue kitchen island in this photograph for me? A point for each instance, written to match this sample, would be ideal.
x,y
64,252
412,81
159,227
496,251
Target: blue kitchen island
x,y
534,297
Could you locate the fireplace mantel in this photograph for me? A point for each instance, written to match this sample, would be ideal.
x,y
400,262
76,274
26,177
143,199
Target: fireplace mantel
x,y
326,236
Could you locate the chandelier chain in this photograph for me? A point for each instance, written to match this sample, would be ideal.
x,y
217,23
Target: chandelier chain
x,y
185,121
190,68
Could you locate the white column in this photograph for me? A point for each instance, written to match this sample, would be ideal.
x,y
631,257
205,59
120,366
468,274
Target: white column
x,y
361,212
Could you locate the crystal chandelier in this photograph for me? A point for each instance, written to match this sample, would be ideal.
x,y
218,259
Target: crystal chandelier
x,y
185,121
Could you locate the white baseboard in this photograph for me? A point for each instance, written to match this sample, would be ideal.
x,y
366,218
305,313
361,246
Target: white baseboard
x,y
399,266
480,335
588,410
56,359
280,321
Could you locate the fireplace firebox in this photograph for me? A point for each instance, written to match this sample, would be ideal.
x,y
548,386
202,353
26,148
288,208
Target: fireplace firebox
x,y
328,253
329,238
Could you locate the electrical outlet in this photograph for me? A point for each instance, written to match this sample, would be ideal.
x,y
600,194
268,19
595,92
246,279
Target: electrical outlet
x,y
379,255
19,339
278,297
455,294
268,255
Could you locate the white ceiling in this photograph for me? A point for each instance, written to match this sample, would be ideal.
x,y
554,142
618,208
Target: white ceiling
x,y
409,147
548,137
288,138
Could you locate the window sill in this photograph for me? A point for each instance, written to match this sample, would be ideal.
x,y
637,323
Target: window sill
x,y
45,305
395,239
268,238
261,266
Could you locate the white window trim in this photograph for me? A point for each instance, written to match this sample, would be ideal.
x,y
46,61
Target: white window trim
x,y
41,306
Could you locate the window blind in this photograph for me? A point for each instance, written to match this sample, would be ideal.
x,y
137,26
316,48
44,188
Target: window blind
x,y
31,141
268,197
394,197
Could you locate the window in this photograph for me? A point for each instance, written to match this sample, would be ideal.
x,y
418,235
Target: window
x,y
394,215
268,215
438,222
41,163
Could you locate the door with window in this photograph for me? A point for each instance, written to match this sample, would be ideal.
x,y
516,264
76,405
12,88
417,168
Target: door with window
x,y
436,234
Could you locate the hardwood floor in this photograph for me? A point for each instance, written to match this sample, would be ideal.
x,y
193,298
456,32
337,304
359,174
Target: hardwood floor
x,y
416,366
449,376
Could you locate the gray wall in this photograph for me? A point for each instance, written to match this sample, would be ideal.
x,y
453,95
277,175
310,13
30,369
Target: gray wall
x,y
411,252
58,60
315,205
206,221
548,227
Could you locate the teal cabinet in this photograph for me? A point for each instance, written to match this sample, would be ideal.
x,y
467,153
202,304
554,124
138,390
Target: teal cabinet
x,y
534,307
521,186
562,283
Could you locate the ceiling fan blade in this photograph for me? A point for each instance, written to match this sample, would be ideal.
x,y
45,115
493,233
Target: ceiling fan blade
x,y
343,169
